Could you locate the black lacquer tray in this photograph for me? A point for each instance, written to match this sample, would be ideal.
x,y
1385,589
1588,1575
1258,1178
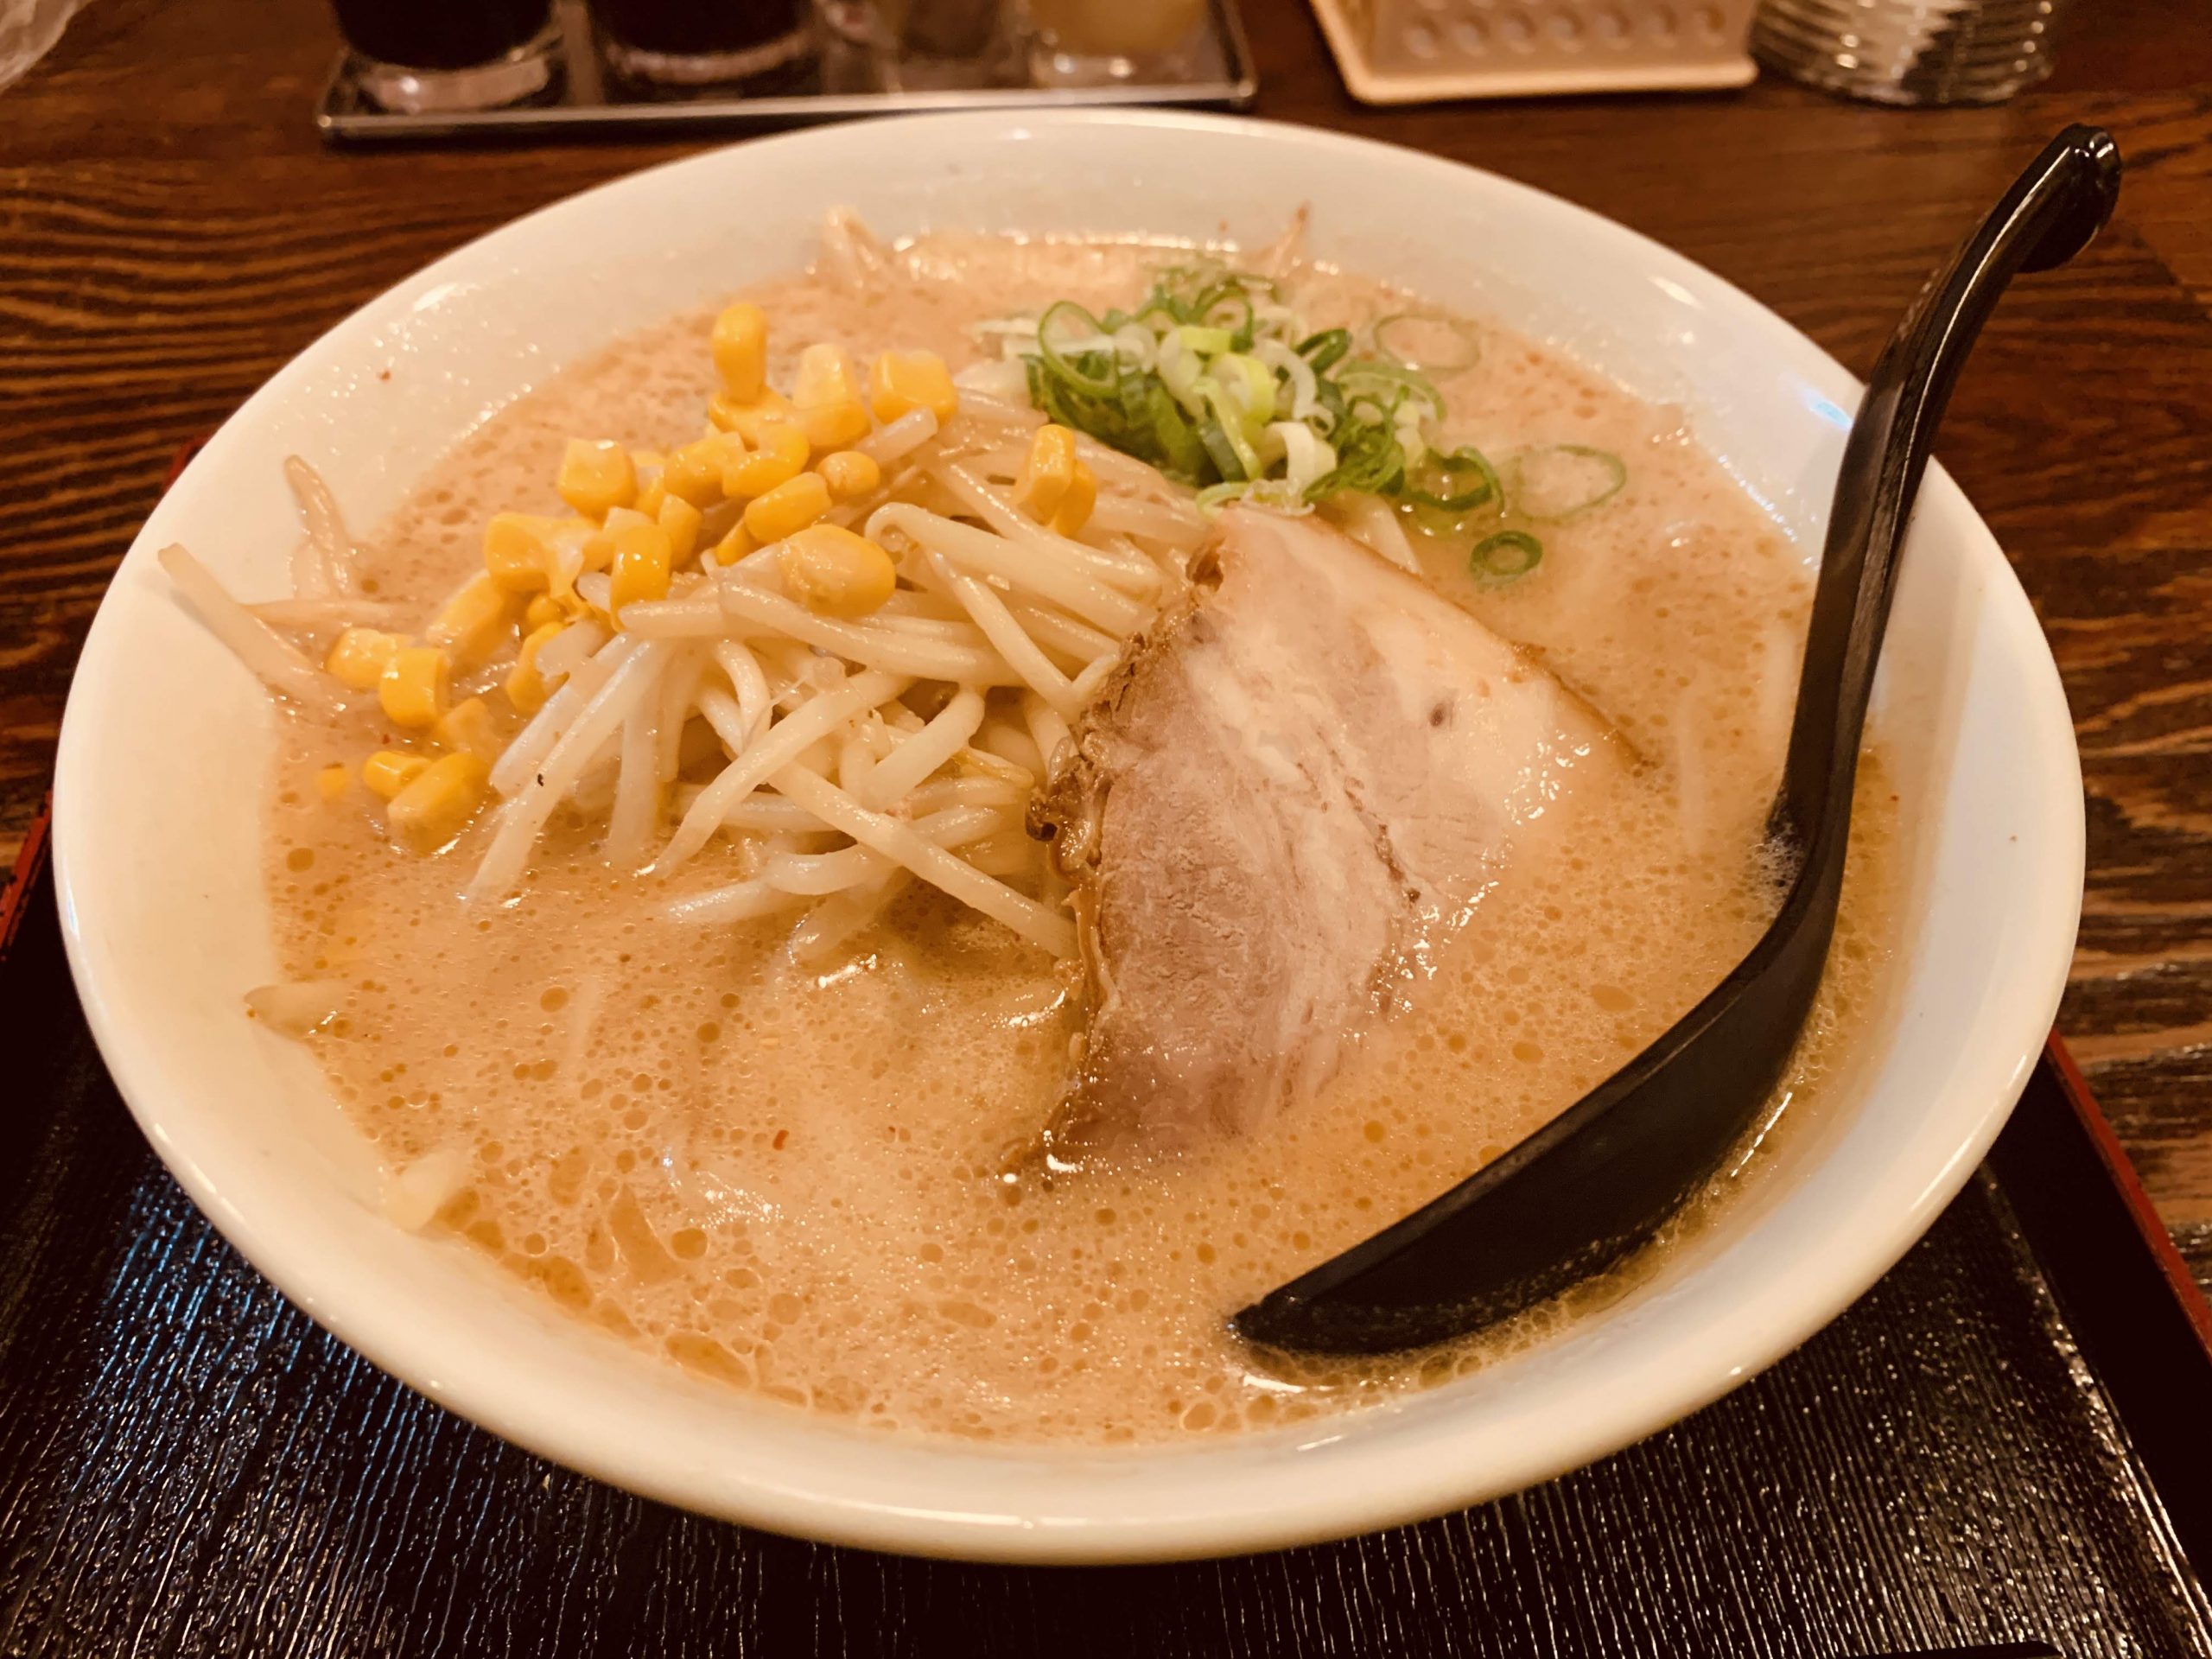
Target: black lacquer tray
x,y
2003,1441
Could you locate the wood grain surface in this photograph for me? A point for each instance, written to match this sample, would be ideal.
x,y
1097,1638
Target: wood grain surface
x,y
188,1467
171,232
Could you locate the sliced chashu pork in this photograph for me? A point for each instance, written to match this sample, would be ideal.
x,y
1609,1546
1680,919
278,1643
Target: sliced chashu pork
x,y
1294,788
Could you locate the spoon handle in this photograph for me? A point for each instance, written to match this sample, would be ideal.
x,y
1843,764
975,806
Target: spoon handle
x,y
2047,217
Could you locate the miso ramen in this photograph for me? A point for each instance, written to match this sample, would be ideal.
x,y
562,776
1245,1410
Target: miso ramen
x,y
913,839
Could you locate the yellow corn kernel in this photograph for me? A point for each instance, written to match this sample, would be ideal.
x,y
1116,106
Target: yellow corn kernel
x,y
515,553
643,560
1076,506
791,506
825,376
903,381
473,620
468,725
359,656
741,348
695,471
679,520
650,499
387,771
330,782
747,416
413,689
849,473
830,569
597,553
542,610
525,682
596,476
783,450
1048,472
438,803
832,426
735,545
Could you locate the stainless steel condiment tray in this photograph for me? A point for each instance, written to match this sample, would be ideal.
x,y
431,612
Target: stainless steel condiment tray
x,y
845,82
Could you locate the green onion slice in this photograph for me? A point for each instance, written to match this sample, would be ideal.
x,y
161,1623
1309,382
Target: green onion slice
x,y
1173,435
1426,342
1222,431
1212,499
1554,481
1322,351
1254,379
1369,459
1099,383
1505,555
1243,328
1455,483
1388,384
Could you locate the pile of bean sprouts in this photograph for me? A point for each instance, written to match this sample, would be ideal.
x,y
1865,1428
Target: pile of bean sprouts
x,y
831,763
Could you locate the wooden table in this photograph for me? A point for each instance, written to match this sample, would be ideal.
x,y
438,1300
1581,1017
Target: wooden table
x,y
171,232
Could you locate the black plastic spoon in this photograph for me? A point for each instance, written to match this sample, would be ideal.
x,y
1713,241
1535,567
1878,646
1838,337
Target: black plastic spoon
x,y
1599,1179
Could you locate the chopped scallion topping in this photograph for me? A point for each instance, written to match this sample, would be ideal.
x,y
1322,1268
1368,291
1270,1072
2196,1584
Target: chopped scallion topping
x,y
1427,342
1554,481
1215,379
1455,483
1504,554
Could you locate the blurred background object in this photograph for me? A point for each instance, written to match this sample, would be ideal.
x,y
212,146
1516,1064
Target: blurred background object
x,y
28,29
1419,51
700,43
1916,52
930,45
425,55
1105,42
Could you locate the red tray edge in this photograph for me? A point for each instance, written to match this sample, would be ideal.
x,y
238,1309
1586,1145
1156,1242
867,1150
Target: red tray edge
x,y
2120,1170
14,899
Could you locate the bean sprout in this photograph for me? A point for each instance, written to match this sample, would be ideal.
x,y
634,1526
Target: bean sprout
x,y
279,663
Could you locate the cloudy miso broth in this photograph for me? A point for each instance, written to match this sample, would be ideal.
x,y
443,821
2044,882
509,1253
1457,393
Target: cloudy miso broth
x,y
809,1178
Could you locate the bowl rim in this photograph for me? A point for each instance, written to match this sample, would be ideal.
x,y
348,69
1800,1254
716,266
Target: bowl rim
x,y
1339,1493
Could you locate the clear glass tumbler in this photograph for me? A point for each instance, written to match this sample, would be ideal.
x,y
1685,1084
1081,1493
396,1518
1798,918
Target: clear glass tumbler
x,y
927,45
422,55
1915,52
1104,43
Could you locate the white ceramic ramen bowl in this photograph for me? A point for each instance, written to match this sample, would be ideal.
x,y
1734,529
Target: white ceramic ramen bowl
x,y
163,754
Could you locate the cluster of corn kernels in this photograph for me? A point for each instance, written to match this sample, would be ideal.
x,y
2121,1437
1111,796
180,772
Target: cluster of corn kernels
x,y
428,800
780,462
783,462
